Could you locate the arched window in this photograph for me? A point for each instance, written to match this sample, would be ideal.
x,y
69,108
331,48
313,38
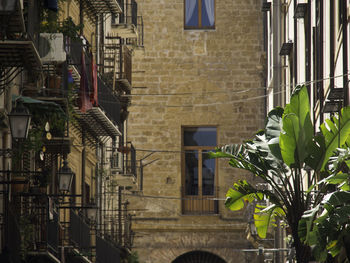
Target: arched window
x,y
198,257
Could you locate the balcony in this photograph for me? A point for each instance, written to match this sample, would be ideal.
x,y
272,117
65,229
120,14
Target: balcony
x,y
199,204
15,50
116,227
106,251
126,24
37,221
102,118
79,235
95,7
117,64
124,166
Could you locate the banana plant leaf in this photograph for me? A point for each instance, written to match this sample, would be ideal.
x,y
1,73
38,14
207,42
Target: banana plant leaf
x,y
265,217
336,134
298,130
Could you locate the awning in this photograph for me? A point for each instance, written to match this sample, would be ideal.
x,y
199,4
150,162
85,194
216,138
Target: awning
x,y
35,105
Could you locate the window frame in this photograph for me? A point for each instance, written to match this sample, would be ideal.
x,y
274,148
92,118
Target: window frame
x,y
199,27
199,197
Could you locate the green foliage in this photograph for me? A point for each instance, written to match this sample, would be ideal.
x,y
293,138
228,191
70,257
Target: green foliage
x,y
26,230
133,258
326,227
277,155
50,22
297,131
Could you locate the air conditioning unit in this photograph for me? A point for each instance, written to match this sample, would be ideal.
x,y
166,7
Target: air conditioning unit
x,y
51,47
116,162
115,19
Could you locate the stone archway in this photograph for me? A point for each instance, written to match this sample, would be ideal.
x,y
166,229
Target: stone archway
x,y
198,257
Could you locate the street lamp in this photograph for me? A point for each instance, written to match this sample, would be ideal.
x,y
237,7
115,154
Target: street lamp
x,y
19,119
65,177
91,212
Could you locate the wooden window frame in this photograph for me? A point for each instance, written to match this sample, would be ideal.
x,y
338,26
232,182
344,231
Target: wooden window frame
x,y
200,203
199,27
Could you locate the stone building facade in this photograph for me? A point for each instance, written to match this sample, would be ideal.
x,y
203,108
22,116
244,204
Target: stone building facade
x,y
190,77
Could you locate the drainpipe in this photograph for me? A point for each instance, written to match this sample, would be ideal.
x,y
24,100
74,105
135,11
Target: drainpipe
x,y
97,40
308,53
277,87
345,55
295,46
276,47
266,50
83,157
81,17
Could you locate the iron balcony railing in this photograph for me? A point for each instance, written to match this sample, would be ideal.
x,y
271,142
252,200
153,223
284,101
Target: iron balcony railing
x,y
79,233
12,233
37,221
129,14
117,59
116,223
106,251
32,19
107,101
129,157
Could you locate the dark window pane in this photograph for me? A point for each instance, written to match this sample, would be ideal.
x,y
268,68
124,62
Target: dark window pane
x,y
191,13
208,13
208,174
191,173
200,136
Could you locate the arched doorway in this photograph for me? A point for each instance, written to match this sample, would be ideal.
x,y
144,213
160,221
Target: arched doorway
x,y
198,257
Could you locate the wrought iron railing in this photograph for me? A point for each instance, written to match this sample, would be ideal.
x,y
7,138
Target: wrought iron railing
x,y
13,235
130,159
117,59
38,223
107,101
116,223
129,14
32,21
106,251
79,233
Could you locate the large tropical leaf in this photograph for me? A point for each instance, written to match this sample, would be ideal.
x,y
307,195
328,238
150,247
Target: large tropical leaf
x,y
265,217
273,130
325,226
240,193
297,132
336,134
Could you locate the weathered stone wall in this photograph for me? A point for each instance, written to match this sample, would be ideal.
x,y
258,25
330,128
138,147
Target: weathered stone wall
x,y
215,78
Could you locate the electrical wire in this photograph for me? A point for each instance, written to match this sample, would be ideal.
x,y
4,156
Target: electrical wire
x,y
223,91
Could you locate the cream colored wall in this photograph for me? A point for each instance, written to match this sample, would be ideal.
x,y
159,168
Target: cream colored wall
x,y
75,161
221,70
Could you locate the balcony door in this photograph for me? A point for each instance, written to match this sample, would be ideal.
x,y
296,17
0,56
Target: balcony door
x,y
199,172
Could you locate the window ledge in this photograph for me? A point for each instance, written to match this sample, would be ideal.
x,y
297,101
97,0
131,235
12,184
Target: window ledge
x,y
200,29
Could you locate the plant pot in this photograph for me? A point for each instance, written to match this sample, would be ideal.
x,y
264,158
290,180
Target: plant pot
x,y
124,149
54,86
19,185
